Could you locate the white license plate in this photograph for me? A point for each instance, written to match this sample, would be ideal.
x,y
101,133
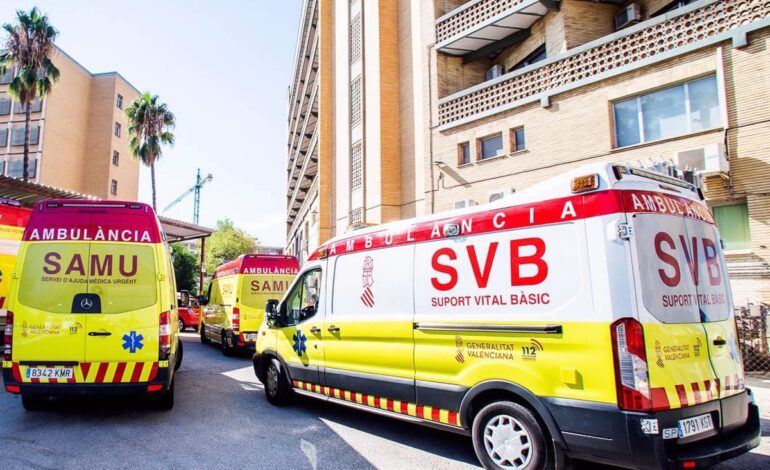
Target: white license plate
x,y
252,336
50,373
696,425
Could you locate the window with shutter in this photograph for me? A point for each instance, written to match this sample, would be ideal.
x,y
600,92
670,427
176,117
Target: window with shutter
x,y
356,166
355,102
355,39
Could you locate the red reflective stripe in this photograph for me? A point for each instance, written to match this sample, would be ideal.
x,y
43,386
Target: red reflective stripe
x,y
404,408
544,212
660,399
35,381
119,372
391,405
296,383
420,411
101,372
153,372
84,368
696,393
435,414
137,374
377,402
682,395
16,372
453,418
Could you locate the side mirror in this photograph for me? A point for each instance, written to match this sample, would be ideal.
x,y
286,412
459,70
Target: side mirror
x,y
203,300
271,313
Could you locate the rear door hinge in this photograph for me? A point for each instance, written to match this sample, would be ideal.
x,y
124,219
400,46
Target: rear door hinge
x,y
625,231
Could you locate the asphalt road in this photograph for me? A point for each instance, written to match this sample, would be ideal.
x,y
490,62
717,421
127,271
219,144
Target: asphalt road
x,y
221,419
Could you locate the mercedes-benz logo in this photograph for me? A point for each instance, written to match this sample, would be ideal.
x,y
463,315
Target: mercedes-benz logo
x,y
86,304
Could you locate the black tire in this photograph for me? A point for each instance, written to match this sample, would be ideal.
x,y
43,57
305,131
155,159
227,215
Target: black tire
x,y
495,445
166,399
181,325
277,388
34,402
204,339
179,356
228,348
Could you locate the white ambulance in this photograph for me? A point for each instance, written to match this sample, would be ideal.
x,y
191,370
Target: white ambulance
x,y
586,317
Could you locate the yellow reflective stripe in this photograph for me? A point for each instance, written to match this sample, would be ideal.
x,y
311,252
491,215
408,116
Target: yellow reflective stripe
x,y
127,372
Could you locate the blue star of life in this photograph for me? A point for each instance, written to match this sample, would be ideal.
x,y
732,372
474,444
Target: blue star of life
x,y
132,342
299,343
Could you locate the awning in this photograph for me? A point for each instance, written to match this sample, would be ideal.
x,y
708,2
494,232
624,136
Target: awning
x,y
517,18
177,231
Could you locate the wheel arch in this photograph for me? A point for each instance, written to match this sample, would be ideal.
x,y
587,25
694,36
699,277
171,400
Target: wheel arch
x,y
261,360
495,390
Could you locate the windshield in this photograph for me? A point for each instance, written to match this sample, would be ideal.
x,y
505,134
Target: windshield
x,y
122,275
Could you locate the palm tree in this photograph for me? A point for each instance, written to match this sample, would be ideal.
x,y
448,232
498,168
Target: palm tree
x,y
27,52
149,125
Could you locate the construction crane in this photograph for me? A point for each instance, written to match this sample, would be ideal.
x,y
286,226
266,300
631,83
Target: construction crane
x,y
199,182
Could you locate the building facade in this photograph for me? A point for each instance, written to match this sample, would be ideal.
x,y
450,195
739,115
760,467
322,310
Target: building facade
x,y
353,121
421,107
78,134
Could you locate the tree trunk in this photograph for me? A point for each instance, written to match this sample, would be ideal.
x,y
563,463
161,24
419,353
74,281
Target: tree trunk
x,y
152,176
27,112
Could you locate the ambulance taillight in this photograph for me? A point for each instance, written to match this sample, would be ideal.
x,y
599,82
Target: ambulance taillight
x,y
236,319
632,378
8,337
164,335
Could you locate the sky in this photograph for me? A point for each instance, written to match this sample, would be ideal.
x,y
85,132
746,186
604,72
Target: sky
x,y
223,67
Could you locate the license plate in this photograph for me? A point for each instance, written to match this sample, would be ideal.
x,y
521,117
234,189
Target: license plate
x,y
251,337
696,425
50,373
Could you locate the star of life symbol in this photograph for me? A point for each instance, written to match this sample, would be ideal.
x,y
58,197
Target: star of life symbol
x,y
132,341
368,296
299,343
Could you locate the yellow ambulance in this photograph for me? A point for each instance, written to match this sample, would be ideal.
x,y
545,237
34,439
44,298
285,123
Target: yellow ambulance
x,y
587,317
13,219
92,305
235,303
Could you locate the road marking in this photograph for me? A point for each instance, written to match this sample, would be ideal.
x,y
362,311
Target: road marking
x,y
245,377
310,452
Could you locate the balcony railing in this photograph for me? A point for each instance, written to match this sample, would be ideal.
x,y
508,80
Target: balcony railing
x,y
698,25
469,16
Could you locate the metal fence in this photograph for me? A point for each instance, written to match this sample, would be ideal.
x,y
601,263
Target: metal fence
x,y
752,322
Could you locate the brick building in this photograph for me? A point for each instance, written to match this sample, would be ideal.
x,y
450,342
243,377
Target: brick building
x,y
419,107
78,134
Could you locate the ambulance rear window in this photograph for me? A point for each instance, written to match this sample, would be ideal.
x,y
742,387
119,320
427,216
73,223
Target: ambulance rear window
x,y
122,275
257,290
681,270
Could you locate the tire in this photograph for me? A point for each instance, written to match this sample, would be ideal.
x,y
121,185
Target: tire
x,y
277,389
204,339
181,325
228,349
507,435
166,399
34,402
179,356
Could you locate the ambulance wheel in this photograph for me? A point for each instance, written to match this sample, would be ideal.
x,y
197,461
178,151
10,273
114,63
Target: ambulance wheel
x,y
204,339
277,389
507,435
33,402
181,325
166,399
179,355
228,349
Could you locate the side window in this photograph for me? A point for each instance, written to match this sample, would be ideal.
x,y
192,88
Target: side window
x,y
302,302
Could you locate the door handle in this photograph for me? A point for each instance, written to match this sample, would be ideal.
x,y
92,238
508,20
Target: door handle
x,y
720,342
333,329
99,333
315,330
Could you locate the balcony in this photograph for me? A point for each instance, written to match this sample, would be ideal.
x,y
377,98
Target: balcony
x,y
681,31
483,24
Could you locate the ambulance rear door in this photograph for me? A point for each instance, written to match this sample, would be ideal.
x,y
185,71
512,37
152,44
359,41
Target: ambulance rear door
x,y
676,342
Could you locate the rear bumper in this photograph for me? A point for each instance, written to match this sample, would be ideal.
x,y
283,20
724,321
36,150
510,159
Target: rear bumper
x,y
605,434
162,379
243,343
